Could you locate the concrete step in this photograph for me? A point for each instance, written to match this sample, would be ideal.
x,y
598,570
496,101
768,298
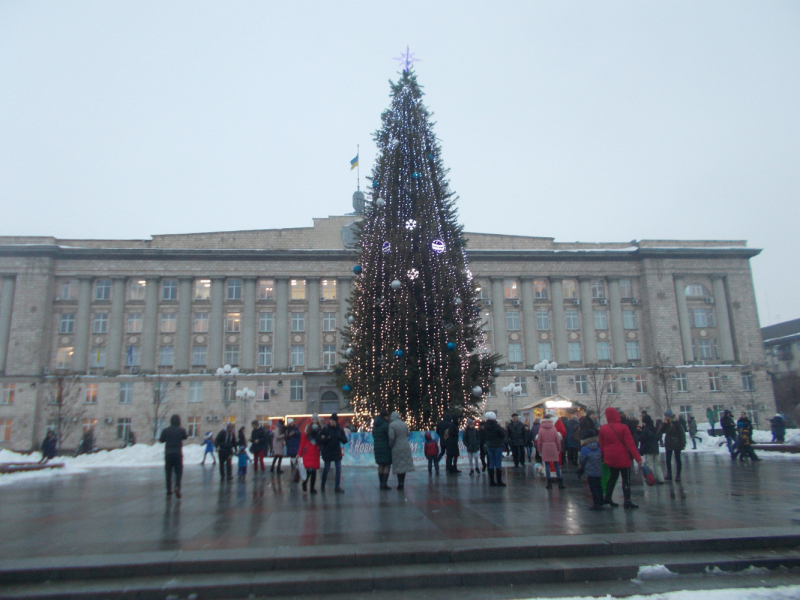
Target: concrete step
x,y
308,581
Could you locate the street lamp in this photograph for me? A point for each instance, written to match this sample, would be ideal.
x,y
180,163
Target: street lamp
x,y
512,391
545,367
225,373
245,395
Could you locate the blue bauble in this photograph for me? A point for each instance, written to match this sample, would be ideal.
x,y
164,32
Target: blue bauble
x,y
451,346
398,353
357,269
431,156
346,388
416,175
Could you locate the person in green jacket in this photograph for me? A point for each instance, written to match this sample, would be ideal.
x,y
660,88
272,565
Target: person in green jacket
x,y
711,415
382,449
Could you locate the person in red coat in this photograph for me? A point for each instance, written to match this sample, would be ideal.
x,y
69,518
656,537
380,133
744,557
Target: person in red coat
x,y
619,451
309,452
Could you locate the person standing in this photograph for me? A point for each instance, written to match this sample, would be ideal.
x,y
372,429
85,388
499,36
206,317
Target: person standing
x,y
711,415
674,443
495,437
472,442
591,461
49,445
208,448
172,437
243,459
649,448
778,427
693,432
278,447
431,453
309,452
292,442
451,442
549,443
729,428
382,449
331,437
744,442
516,440
258,446
528,442
241,438
226,445
619,452
573,440
537,424
483,454
402,462
441,429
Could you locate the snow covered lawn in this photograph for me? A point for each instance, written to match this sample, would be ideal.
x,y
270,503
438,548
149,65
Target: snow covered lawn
x,y
778,593
717,445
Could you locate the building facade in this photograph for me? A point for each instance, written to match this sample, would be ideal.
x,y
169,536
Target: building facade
x,y
145,324
782,346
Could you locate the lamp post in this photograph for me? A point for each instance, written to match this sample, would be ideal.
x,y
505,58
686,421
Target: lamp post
x,y
225,374
545,367
245,395
512,392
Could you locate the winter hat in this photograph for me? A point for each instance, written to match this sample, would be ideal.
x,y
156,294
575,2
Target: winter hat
x,y
668,413
550,414
490,416
589,433
335,417
290,421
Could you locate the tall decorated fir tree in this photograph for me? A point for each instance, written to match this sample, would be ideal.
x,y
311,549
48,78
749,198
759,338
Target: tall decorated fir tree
x,y
414,342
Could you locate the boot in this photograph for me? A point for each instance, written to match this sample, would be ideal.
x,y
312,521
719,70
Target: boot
x,y
561,485
471,472
629,504
313,481
401,481
385,481
610,502
178,492
305,485
500,478
491,478
549,485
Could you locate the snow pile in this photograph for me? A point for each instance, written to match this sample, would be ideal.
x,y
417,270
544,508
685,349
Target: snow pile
x,y
779,593
654,572
717,445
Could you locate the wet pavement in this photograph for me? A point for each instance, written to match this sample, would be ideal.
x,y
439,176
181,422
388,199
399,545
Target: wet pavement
x,y
124,510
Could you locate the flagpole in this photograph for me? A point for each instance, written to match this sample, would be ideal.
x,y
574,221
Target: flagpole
x,y
358,168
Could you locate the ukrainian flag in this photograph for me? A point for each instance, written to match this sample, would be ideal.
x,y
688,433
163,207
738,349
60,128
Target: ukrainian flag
x,y
354,163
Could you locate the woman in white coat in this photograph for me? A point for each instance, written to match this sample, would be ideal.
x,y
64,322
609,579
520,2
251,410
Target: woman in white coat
x,y
402,461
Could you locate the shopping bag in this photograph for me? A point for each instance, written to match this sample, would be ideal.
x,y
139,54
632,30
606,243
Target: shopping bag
x,y
301,470
649,477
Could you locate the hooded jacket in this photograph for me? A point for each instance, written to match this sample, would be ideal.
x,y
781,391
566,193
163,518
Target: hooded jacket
x,y
471,439
591,459
548,442
380,440
648,438
309,449
402,461
495,434
172,437
616,442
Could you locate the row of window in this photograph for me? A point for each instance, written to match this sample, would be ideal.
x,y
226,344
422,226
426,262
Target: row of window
x,y
629,320
570,289
574,351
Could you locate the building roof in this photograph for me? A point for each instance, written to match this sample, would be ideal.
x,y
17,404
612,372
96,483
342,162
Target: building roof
x,y
779,331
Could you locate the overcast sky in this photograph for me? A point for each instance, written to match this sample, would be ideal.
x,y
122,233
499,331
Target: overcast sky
x,y
584,121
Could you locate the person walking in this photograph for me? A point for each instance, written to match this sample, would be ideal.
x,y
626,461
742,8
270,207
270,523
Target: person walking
x,y
331,437
483,454
778,427
537,424
451,441
619,452
729,429
431,453
744,442
402,461
208,448
549,443
573,440
49,445
528,442
441,429
649,448
382,449
711,415
309,452
674,443
226,445
495,437
172,437
292,443
693,432
278,447
243,459
516,440
591,462
258,446
472,442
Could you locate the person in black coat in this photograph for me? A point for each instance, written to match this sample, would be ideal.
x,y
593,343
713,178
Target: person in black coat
x,y
495,438
729,428
49,446
451,447
172,437
331,437
441,428
258,445
516,439
226,445
482,435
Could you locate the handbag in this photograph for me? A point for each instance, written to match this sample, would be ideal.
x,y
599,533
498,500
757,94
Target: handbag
x,y
649,477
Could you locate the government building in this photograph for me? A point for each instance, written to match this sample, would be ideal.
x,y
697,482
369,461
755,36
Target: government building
x,y
135,330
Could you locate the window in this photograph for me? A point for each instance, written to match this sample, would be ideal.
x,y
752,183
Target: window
x,y
540,289
611,384
232,354
193,426
515,353
126,392
329,321
91,393
572,319
137,289
102,289
581,384
66,323
9,390
69,289
168,322
603,351
641,383
543,320
234,289
512,320
169,289
100,323
5,430
232,322
545,351
682,382
264,356
549,385
574,351
629,319
703,350
697,290
486,321
135,322
298,287
298,356
522,382
132,360
598,289
600,319
262,395
199,356
64,357
296,389
265,322
483,291
570,289
266,289
701,317
202,289
715,382
97,357
328,289
298,322
328,355
166,356
510,286
686,412
626,288
88,424
748,384
632,350
123,428
195,391
201,322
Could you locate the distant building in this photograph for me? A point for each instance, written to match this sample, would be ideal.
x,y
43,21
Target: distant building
x,y
782,345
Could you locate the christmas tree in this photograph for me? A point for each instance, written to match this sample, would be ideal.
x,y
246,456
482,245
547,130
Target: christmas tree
x,y
414,343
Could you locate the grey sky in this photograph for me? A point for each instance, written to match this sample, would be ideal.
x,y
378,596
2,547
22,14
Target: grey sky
x,y
581,121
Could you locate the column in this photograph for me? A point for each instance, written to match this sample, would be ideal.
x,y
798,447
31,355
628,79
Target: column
x,y
115,326
587,314
149,326
499,325
183,337
723,318
683,319
529,322
313,349
216,324
82,325
249,325
617,329
280,345
6,306
560,351
343,295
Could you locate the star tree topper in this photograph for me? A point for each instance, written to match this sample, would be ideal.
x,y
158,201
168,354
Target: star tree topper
x,y
407,60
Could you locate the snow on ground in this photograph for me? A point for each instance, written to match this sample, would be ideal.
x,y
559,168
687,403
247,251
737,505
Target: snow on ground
x,y
717,445
779,593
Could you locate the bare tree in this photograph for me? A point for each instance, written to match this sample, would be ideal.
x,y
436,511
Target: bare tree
x,y
162,403
65,406
665,373
600,379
